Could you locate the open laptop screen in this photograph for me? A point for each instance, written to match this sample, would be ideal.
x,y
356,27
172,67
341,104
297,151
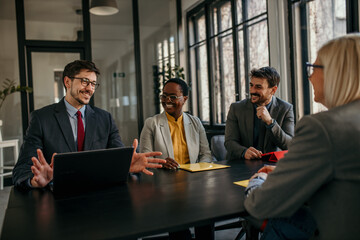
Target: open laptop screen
x,y
79,172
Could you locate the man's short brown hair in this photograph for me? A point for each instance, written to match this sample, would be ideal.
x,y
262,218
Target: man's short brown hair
x,y
269,73
74,68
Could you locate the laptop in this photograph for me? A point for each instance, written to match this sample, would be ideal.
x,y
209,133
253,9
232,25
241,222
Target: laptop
x,y
80,172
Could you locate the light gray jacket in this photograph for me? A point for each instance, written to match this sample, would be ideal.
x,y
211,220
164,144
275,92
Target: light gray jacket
x,y
155,136
322,169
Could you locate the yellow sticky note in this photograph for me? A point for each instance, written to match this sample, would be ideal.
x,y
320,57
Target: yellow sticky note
x,y
243,183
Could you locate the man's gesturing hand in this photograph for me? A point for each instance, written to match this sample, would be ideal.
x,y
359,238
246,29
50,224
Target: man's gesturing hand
x,y
43,172
141,161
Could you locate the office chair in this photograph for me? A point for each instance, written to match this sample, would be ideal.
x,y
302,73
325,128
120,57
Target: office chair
x,y
218,149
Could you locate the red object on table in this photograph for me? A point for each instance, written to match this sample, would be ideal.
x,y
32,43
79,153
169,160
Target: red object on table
x,y
273,156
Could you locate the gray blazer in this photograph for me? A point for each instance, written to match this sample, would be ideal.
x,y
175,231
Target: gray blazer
x,y
50,130
155,136
240,124
322,169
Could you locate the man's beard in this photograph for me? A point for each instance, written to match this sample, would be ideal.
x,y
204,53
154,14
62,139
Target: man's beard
x,y
77,98
260,101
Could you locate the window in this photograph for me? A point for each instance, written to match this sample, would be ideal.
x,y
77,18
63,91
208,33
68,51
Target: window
x,y
223,59
227,38
165,57
316,22
199,65
326,20
252,30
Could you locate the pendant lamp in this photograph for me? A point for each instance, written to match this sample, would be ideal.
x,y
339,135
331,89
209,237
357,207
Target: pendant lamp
x,y
103,7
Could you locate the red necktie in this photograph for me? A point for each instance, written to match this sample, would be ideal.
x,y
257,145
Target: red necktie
x,y
80,132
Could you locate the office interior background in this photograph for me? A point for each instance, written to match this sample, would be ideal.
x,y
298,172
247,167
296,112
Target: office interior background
x,y
217,42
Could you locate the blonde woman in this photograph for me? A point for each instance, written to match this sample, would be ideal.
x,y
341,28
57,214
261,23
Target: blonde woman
x,y
314,192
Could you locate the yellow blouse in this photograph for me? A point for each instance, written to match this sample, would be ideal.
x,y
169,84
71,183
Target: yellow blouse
x,y
177,131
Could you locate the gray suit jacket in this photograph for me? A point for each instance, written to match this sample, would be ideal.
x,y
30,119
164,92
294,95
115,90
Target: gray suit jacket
x,y
322,169
155,136
50,131
240,125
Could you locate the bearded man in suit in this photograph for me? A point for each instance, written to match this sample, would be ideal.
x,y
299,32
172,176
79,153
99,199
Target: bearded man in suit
x,y
261,124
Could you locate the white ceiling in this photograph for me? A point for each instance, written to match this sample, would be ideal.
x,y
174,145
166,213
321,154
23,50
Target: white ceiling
x,y
108,33
152,12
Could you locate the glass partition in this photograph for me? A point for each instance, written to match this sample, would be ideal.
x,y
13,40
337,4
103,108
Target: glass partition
x,y
10,111
158,41
53,20
113,53
48,85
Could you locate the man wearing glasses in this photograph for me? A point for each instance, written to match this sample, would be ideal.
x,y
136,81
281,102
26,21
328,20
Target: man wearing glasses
x,y
69,126
261,124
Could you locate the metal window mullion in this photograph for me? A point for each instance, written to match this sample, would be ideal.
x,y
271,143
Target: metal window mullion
x,y
137,55
162,62
20,26
304,56
352,16
87,28
198,85
168,52
246,48
189,64
29,77
235,51
292,57
209,64
221,65
179,26
251,19
197,43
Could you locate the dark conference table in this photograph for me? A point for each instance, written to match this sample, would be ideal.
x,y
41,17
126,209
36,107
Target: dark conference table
x,y
167,201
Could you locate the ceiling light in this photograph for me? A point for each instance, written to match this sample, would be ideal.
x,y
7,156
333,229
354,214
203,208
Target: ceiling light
x,y
103,7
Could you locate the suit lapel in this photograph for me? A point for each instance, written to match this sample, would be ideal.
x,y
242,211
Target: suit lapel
x,y
62,118
89,127
273,113
249,121
165,132
190,139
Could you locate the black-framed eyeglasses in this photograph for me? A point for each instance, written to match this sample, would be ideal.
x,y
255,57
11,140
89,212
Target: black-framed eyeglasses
x,y
85,82
173,98
310,68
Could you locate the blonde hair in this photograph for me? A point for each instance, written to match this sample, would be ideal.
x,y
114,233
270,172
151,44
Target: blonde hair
x,y
341,60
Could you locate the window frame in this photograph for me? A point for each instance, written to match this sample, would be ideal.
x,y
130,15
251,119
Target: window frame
x,y
206,9
298,70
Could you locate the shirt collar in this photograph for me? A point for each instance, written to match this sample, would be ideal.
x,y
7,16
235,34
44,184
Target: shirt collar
x,y
72,111
172,119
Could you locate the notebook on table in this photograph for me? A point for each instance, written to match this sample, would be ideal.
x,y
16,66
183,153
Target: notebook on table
x,y
80,172
201,166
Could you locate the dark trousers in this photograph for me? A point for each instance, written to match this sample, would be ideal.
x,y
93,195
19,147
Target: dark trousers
x,y
301,225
